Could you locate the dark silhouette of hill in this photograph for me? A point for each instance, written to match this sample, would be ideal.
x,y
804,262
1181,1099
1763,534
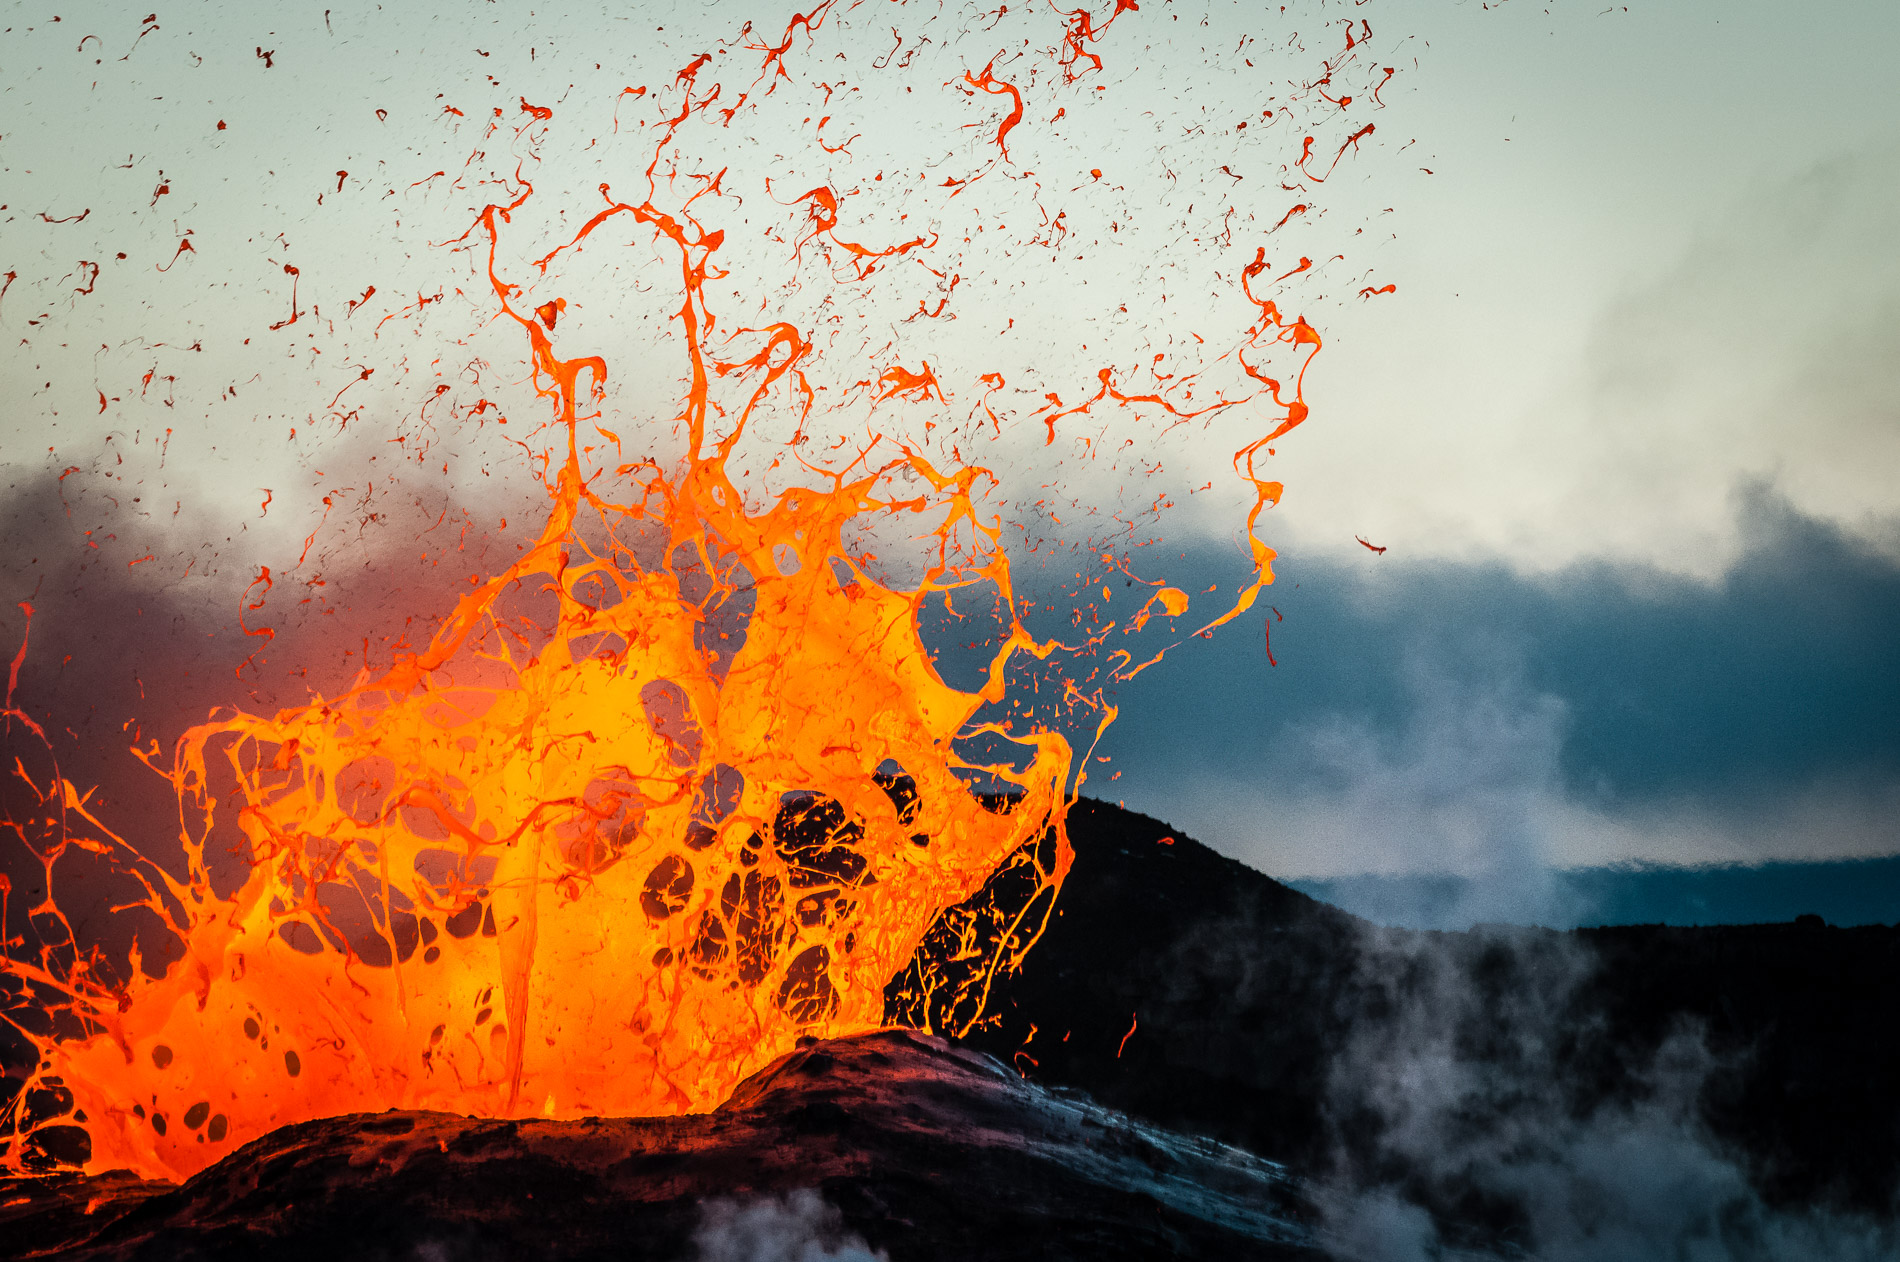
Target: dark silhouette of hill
x,y
1287,1027
918,1148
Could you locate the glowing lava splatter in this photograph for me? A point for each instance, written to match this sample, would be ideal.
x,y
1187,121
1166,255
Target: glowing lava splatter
x,y
680,785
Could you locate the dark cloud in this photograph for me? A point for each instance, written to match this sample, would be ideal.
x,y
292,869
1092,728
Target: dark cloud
x,y
1783,671
1457,720
1525,722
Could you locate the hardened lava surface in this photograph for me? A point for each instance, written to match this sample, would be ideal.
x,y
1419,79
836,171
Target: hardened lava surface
x,y
926,1149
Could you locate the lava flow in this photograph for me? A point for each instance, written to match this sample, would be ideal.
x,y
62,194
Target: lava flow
x,y
676,788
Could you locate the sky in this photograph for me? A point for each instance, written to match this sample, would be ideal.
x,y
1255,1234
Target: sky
x,y
1624,428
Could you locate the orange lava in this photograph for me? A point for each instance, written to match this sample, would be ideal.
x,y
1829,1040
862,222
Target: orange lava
x,y
610,863
679,786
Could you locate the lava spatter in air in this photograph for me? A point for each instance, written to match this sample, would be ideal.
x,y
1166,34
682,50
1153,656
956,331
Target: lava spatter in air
x,y
610,863
682,783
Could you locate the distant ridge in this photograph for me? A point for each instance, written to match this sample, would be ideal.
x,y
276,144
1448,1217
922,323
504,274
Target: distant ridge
x,y
1845,892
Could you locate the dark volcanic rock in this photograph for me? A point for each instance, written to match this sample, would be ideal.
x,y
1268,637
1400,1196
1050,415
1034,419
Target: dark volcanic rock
x,y
925,1149
1238,989
1265,1018
1805,1020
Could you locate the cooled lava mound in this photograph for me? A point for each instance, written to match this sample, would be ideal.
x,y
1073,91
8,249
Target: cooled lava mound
x,y
927,1149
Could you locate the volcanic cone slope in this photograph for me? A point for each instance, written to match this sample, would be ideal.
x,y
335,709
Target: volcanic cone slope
x,y
1188,989
924,1150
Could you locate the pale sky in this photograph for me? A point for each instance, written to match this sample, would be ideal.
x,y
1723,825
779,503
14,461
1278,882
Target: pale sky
x,y
1649,262
1654,260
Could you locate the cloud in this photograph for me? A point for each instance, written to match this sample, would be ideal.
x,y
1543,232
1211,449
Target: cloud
x,y
1463,784
1466,720
1470,782
1604,407
1465,1132
796,1227
1466,784
1770,350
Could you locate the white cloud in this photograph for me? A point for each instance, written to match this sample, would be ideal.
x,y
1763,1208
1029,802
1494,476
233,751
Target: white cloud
x,y
1545,422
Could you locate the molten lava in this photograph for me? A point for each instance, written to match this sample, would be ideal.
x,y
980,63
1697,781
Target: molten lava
x,y
609,860
676,788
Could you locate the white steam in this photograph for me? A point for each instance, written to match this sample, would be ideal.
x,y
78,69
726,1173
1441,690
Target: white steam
x,y
1467,781
797,1227
1579,1180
